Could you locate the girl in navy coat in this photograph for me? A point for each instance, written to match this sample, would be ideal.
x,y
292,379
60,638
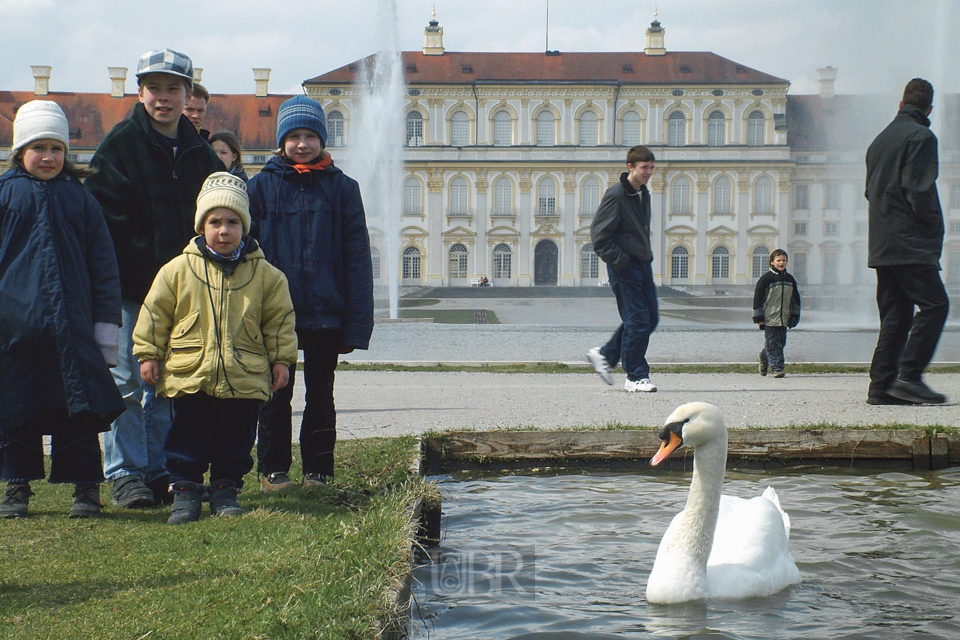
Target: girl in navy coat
x,y
59,317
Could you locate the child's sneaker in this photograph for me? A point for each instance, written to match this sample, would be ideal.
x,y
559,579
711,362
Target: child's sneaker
x,y
600,364
16,501
778,374
86,501
130,492
314,481
764,366
278,482
643,385
223,498
187,502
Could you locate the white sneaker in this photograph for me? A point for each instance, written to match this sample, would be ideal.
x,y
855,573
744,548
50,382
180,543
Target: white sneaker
x,y
643,385
600,365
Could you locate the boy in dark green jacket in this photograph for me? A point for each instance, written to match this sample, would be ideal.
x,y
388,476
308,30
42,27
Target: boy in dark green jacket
x,y
776,307
150,168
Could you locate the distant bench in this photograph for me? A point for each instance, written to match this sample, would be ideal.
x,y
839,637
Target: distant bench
x,y
478,282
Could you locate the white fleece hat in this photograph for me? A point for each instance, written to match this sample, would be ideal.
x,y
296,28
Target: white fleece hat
x,y
40,120
222,189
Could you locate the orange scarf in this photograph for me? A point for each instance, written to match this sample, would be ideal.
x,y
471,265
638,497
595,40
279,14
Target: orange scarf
x,y
319,165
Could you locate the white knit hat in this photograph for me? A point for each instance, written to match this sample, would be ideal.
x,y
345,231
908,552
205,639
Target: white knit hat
x,y
40,120
222,189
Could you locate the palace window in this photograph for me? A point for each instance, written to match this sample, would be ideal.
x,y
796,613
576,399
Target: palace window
x,y
679,263
501,261
502,197
763,195
545,129
588,129
801,196
716,129
334,129
459,197
756,129
761,261
458,261
412,204
547,198
375,262
414,129
831,196
411,263
631,129
460,129
721,263
680,202
676,129
502,129
589,197
589,262
723,195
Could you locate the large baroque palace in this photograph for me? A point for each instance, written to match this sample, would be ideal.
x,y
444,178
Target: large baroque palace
x,y
508,154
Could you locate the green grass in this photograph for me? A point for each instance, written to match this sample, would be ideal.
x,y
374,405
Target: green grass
x,y
304,565
558,367
450,316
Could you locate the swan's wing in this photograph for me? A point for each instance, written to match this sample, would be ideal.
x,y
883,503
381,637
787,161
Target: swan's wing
x,y
771,495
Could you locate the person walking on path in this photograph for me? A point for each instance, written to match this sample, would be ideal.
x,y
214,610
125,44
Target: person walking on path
x,y
620,233
309,219
59,317
905,243
776,307
149,171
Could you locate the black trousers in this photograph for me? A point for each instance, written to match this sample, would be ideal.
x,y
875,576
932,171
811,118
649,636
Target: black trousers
x,y
318,427
74,449
907,341
211,432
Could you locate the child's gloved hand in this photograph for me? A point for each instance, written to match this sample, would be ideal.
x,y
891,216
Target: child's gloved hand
x,y
281,376
150,371
793,322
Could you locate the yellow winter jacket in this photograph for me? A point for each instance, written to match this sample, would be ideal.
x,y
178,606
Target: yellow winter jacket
x,y
216,333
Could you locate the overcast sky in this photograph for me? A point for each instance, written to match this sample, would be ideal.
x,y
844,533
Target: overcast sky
x,y
877,45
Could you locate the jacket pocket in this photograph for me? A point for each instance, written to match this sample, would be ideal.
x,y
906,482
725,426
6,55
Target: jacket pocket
x,y
248,348
186,345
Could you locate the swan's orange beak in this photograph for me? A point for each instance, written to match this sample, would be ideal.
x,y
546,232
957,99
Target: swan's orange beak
x,y
668,447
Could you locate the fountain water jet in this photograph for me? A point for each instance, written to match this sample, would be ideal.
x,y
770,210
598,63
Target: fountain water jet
x,y
376,156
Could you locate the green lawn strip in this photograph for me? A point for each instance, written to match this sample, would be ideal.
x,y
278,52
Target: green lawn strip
x,y
304,565
559,367
450,316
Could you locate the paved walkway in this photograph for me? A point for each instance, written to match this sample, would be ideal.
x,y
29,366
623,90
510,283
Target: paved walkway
x,y
390,404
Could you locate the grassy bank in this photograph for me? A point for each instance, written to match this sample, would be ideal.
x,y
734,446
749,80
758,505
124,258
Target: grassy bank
x,y
305,565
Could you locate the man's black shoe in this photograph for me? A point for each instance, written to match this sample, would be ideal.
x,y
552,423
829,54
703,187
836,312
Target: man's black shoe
x,y
915,392
879,397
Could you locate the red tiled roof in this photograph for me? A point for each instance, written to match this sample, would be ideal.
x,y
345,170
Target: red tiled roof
x,y
92,115
674,68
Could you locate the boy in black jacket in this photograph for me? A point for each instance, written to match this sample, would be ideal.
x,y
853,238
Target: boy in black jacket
x,y
149,171
776,307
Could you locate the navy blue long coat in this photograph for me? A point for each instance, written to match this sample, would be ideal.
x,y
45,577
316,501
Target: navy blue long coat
x,y
58,276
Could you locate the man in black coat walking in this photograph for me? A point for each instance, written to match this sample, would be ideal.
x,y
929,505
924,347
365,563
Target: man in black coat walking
x,y
905,243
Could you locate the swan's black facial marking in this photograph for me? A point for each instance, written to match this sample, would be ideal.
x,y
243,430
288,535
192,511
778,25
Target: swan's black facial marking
x,y
674,427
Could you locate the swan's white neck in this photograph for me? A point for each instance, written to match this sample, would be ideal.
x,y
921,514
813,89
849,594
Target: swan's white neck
x,y
703,503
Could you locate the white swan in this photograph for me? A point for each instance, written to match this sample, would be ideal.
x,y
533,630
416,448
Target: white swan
x,y
718,546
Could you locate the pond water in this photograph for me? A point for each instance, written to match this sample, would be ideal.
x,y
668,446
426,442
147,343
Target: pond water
x,y
567,558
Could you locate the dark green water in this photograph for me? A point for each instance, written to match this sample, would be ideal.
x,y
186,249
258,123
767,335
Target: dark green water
x,y
567,558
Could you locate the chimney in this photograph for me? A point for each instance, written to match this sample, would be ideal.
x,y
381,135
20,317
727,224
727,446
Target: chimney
x,y
118,81
828,75
41,79
262,78
197,74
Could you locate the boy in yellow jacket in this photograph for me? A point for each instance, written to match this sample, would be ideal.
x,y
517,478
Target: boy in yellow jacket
x,y
216,334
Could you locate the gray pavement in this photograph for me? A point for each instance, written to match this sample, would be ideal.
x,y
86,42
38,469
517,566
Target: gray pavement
x,y
371,404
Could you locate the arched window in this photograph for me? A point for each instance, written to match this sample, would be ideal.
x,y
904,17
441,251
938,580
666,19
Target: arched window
x,y
414,129
334,129
460,129
411,264
716,129
502,197
547,197
761,258
588,129
679,263
458,261
459,197
545,133
412,204
630,137
502,129
501,261
375,262
589,262
680,203
589,197
721,263
756,129
677,129
723,195
763,195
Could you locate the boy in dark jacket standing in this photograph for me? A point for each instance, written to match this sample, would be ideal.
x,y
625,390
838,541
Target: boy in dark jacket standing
x,y
309,220
905,242
776,307
149,171
620,233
